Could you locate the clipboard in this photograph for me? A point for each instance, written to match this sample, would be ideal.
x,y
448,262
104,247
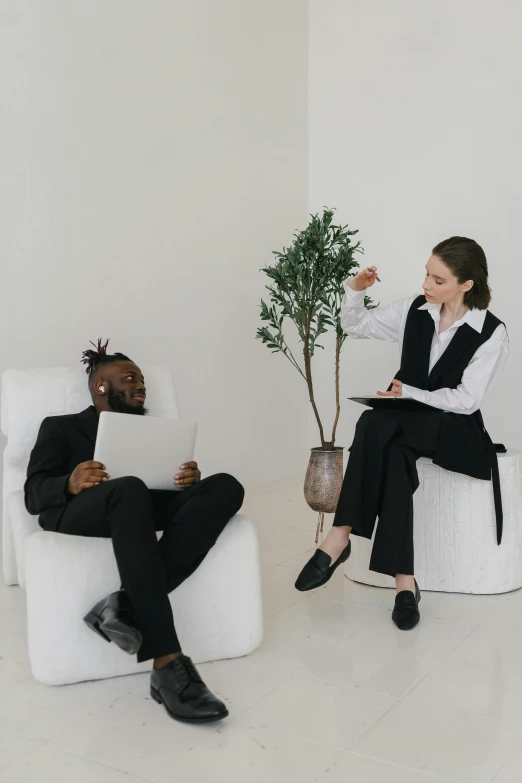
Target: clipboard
x,y
393,403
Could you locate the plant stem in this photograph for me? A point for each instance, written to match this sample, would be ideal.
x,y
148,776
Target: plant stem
x,y
291,358
309,381
337,394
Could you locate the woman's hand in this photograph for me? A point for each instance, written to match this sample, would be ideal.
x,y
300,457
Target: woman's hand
x,y
396,390
365,279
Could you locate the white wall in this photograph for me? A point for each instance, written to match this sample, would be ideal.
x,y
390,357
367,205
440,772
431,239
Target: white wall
x,y
416,135
153,153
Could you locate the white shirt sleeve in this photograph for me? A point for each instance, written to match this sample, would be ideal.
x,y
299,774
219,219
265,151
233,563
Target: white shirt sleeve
x,y
478,379
381,323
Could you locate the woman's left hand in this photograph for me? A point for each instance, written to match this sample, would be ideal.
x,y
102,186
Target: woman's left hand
x,y
396,390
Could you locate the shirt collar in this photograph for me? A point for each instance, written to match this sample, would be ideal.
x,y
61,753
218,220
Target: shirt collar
x,y
474,318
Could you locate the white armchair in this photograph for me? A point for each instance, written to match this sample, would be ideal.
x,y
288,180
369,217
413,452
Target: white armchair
x,y
218,609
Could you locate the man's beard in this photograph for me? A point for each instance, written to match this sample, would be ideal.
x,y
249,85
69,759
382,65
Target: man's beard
x,y
116,400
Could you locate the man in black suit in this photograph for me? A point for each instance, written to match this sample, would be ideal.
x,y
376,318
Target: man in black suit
x,y
72,495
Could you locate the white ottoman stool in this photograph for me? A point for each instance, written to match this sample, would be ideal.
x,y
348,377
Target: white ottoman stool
x,y
455,537
218,610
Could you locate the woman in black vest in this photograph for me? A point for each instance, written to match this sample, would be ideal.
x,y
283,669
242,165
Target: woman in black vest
x,y
453,350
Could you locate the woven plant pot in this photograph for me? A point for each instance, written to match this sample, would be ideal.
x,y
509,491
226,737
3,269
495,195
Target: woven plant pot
x,y
323,481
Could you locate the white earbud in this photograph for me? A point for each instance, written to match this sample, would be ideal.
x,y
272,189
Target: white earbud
x,y
102,389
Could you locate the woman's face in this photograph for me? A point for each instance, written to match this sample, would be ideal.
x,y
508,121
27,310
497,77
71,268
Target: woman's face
x,y
441,285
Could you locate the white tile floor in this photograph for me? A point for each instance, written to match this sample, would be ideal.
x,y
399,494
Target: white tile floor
x,y
335,693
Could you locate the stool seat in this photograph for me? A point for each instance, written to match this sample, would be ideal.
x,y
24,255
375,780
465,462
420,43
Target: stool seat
x,y
455,538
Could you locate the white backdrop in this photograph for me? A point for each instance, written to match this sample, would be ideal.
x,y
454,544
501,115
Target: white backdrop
x,y
152,155
416,135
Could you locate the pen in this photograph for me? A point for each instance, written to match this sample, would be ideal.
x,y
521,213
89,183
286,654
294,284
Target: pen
x,y
371,270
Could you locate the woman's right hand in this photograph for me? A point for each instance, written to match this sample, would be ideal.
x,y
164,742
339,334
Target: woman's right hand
x,y
365,279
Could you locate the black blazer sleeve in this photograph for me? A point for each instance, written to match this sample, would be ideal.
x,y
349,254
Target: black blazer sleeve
x,y
47,476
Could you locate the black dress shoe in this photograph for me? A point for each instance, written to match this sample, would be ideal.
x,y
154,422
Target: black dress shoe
x,y
186,697
406,613
318,570
113,620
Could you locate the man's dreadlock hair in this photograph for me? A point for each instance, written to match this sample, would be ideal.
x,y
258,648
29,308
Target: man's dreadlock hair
x,y
99,357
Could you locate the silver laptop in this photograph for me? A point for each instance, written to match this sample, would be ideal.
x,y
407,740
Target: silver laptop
x,y
147,447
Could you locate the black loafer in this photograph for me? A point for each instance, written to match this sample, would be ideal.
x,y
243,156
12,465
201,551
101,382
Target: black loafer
x,y
318,571
113,620
179,687
406,613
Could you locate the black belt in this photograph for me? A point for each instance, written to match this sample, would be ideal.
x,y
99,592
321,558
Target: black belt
x,y
495,478
497,495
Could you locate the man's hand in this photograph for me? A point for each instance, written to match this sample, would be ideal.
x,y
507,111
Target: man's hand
x,y
191,475
396,390
86,475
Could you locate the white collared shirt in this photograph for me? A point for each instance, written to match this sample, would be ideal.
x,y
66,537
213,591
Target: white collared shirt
x,y
388,323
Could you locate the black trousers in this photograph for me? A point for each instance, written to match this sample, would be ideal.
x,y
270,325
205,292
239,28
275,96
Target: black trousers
x,y
130,514
380,480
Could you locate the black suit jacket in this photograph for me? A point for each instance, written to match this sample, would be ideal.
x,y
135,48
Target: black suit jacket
x,y
63,442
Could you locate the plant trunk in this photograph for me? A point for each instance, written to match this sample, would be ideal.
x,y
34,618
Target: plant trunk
x,y
308,373
337,393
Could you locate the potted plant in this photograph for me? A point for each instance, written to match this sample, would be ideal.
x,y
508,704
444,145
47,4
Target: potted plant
x,y
307,288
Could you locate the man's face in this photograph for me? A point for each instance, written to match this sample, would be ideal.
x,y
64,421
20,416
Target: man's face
x,y
126,392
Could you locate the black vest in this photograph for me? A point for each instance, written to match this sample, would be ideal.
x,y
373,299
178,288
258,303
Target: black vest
x,y
464,444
